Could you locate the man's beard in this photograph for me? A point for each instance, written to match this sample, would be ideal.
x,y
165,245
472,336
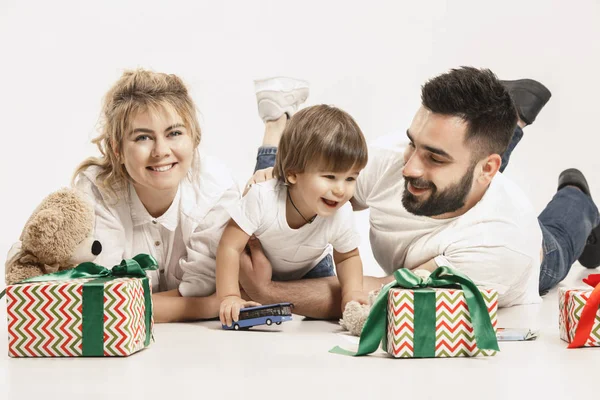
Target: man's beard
x,y
438,203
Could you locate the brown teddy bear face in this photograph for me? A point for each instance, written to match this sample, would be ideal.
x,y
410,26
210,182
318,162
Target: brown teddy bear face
x,y
60,230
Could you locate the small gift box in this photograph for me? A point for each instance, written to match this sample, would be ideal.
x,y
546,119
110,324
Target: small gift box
x,y
435,323
86,311
579,317
443,315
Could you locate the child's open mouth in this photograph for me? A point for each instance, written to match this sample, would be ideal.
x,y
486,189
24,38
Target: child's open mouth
x,y
330,203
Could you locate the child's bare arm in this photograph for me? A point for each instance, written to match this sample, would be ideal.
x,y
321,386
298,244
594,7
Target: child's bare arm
x,y
231,245
350,274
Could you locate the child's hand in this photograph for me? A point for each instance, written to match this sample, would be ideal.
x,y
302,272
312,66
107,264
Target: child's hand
x,y
229,311
355,295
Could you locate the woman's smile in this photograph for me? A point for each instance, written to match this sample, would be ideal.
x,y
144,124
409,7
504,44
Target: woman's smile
x,y
161,168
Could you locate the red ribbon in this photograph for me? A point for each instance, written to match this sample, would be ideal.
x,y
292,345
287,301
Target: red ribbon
x,y
593,280
588,315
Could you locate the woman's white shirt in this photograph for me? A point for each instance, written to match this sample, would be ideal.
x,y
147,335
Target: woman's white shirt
x,y
184,239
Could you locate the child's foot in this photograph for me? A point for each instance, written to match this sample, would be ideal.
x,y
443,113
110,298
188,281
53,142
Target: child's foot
x,y
278,96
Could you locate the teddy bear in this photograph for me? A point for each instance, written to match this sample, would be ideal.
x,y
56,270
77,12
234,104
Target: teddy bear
x,y
355,314
57,236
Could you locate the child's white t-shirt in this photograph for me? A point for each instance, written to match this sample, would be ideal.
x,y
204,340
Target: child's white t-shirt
x,y
292,252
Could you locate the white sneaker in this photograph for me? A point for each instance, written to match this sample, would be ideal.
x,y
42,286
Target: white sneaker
x,y
278,96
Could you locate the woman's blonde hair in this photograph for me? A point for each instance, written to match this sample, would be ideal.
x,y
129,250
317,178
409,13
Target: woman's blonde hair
x,y
320,136
136,91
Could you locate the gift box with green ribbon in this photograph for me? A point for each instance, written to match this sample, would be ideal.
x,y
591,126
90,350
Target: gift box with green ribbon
x,y
86,311
444,315
579,317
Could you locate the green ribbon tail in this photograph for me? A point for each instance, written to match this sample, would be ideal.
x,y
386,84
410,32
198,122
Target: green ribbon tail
x,y
374,327
148,310
485,336
343,352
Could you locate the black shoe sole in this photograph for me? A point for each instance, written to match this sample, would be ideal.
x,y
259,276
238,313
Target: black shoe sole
x,y
573,177
529,96
590,258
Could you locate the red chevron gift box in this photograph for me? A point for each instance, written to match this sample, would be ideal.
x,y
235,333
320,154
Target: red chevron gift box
x,y
579,317
88,311
448,330
442,315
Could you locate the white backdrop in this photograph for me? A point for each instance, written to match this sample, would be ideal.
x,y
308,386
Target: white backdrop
x,y
60,57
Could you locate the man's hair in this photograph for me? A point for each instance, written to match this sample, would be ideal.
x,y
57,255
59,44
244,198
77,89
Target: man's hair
x,y
479,99
321,137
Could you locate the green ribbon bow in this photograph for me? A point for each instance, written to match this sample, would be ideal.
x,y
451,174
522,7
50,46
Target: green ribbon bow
x,y
93,295
424,319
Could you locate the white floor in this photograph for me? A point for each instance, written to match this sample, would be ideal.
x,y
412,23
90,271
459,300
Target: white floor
x,y
292,361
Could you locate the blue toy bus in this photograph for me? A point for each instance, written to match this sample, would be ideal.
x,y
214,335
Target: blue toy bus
x,y
261,315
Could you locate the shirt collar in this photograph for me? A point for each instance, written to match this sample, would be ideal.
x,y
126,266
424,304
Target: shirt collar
x,y
140,216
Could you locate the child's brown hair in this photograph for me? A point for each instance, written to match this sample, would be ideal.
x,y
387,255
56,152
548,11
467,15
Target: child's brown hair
x,y
321,136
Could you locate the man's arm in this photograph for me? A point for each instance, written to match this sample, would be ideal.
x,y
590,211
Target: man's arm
x,y
315,298
430,266
372,283
318,298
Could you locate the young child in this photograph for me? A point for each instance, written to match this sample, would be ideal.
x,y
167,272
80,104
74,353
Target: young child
x,y
304,212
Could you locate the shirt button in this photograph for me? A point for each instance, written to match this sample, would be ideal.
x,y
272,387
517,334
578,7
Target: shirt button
x,y
157,243
154,222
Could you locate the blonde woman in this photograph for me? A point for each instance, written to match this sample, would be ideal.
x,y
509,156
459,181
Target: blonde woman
x,y
154,194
